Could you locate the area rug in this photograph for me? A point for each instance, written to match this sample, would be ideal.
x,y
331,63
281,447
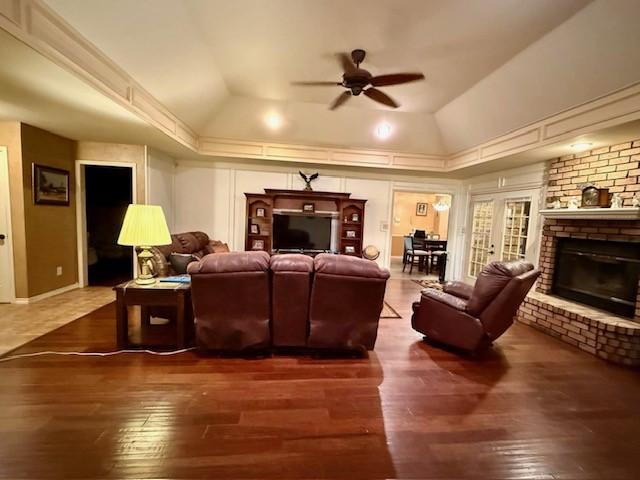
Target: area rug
x,y
388,312
429,284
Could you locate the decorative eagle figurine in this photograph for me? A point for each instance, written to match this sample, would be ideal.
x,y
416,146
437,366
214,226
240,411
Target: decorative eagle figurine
x,y
308,180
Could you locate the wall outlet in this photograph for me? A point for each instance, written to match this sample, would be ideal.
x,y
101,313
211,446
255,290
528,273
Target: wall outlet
x,y
59,271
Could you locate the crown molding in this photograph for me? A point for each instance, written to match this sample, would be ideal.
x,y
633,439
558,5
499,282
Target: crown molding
x,y
38,26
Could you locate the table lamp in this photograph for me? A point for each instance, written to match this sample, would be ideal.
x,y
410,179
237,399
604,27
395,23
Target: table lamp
x,y
144,226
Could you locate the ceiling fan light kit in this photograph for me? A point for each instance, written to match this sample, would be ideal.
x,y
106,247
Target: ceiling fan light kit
x,y
358,80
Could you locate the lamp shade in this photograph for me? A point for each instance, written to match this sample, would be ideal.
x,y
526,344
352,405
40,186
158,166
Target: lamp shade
x,y
144,225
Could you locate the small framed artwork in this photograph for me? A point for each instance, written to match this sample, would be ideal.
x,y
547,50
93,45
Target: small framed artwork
x,y
308,207
355,217
349,249
421,209
351,233
254,229
260,212
257,245
50,185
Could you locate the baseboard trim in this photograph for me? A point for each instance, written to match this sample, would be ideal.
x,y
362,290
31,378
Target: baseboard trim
x,y
42,296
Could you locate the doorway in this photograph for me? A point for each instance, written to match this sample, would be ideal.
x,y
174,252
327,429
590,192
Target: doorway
x,y
424,213
108,191
7,293
501,227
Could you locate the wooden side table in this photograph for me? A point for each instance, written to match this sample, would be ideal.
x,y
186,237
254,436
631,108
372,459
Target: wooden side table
x,y
160,294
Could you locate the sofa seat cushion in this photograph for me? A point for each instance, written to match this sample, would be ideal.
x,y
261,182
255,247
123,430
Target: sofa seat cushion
x,y
349,266
292,262
231,262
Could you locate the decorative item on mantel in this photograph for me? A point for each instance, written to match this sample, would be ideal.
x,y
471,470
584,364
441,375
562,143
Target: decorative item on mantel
x,y
556,204
308,180
573,203
593,197
636,201
616,201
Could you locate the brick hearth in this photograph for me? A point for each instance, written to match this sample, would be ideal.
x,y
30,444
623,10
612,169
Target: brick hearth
x,y
608,336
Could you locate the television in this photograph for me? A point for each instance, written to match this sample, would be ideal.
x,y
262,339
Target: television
x,y
299,232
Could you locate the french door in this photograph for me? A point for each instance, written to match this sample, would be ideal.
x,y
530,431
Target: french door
x,y
502,226
6,264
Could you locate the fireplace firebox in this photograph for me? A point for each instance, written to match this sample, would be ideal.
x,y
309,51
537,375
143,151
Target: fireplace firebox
x,y
600,273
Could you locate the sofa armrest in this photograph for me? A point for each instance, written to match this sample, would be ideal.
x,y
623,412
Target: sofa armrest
x,y
447,299
216,246
459,289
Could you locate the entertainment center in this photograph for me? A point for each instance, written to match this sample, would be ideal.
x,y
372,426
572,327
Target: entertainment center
x,y
304,221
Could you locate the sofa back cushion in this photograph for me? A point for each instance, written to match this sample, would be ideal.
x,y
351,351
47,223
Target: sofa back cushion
x,y
231,262
350,266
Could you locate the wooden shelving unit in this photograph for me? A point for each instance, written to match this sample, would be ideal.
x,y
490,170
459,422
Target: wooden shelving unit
x,y
260,208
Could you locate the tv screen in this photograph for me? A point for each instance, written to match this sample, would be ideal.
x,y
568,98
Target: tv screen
x,y
300,232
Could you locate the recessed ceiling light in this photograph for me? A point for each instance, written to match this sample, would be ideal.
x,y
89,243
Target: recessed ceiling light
x,y
273,120
383,130
581,145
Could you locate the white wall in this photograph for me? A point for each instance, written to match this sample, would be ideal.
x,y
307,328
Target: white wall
x,y
206,194
160,183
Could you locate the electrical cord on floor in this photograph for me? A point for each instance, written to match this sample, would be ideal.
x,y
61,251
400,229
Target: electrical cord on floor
x,y
95,354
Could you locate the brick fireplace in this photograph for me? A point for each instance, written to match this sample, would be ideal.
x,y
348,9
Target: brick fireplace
x,y
611,336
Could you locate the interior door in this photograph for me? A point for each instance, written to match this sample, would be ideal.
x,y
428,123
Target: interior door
x,y
6,270
502,227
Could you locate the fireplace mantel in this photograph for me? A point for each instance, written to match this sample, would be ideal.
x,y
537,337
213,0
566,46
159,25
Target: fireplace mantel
x,y
627,213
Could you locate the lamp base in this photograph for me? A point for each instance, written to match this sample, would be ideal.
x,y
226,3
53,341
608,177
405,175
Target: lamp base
x,y
145,277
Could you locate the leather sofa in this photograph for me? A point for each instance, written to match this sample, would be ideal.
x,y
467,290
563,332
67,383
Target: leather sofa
x,y
197,244
251,301
472,317
346,301
231,301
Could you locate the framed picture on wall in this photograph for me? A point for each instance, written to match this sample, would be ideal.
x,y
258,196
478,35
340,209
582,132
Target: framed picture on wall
x,y
421,209
50,185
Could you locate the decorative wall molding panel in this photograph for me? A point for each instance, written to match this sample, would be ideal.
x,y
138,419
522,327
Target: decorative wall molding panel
x,y
38,26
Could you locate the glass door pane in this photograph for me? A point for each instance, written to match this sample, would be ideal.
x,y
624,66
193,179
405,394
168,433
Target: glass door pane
x,y
516,229
481,245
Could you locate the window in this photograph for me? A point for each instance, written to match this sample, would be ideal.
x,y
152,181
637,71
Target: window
x,y
482,221
516,227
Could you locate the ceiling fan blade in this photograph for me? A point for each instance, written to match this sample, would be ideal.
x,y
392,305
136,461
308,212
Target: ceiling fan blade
x,y
381,97
343,97
347,64
316,84
395,79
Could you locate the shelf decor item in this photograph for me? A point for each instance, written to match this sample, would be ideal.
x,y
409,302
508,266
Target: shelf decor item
x,y
260,212
308,180
350,234
50,185
257,245
144,227
421,209
355,217
349,249
254,229
593,197
308,207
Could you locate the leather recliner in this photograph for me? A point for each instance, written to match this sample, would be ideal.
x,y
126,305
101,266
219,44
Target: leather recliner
x,y
231,301
291,288
471,317
346,300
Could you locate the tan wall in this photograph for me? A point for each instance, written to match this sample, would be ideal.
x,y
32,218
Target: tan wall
x,y
10,137
121,153
405,219
50,229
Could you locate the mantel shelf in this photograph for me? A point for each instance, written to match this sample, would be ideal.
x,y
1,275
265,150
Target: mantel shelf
x,y
627,213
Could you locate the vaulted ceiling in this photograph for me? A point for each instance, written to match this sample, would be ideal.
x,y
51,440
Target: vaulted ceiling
x,y
491,66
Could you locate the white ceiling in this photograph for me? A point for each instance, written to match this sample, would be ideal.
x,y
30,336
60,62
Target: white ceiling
x,y
192,54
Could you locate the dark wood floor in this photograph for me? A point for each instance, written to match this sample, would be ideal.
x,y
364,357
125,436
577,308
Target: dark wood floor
x,y
531,408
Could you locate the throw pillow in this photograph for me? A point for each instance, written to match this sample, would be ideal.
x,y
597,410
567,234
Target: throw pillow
x,y
179,262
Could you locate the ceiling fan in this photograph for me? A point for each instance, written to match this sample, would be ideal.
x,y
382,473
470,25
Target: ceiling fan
x,y
356,80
